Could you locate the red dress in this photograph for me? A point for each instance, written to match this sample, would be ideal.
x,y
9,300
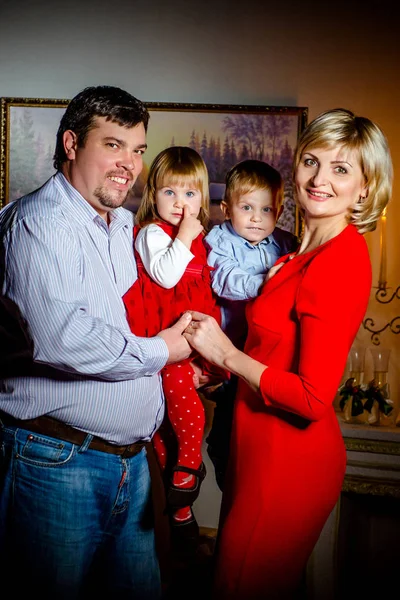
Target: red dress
x,y
152,308
288,458
162,307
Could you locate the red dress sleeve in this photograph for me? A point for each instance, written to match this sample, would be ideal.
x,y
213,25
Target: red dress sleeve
x,y
331,302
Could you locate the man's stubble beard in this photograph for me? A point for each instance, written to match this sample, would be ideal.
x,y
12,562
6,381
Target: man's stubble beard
x,y
111,200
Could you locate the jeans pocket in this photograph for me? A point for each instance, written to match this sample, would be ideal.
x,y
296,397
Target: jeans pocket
x,y
42,450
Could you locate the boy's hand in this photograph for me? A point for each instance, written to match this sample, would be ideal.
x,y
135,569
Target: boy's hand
x,y
273,270
189,228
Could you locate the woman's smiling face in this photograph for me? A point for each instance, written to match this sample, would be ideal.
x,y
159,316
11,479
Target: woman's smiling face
x,y
329,182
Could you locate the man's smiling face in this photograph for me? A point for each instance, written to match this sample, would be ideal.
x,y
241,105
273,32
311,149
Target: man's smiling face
x,y
105,168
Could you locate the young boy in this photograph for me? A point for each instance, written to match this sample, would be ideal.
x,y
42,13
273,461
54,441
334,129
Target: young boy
x,y
241,250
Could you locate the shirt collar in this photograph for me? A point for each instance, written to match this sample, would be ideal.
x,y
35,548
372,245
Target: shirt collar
x,y
82,211
273,241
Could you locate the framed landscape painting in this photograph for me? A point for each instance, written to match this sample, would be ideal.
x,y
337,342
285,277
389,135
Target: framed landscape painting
x,y
222,134
28,128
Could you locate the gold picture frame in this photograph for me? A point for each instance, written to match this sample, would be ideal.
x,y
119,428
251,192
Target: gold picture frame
x,y
222,133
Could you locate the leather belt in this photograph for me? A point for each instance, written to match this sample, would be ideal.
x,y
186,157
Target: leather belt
x,y
45,425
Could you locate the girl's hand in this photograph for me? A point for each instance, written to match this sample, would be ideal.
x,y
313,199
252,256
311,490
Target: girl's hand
x,y
189,228
198,378
205,335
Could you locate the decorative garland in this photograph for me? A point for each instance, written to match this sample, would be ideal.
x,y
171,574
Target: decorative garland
x,y
350,390
379,394
364,397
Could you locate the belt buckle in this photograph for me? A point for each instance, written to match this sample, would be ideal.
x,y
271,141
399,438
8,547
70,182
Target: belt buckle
x,y
128,451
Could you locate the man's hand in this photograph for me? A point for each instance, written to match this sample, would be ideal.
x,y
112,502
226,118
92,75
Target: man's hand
x,y
178,347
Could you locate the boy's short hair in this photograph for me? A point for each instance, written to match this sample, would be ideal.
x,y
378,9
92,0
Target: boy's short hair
x,y
250,175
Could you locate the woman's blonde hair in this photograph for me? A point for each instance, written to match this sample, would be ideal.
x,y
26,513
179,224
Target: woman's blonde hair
x,y
341,127
174,166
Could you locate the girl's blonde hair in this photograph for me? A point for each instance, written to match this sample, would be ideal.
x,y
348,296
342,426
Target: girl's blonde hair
x,y
341,127
174,166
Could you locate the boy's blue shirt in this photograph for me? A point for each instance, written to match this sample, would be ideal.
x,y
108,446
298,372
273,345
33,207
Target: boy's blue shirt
x,y
240,269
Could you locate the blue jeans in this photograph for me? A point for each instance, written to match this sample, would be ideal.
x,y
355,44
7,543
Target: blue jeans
x,y
74,523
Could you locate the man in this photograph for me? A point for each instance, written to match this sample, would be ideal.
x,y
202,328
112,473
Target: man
x,y
75,486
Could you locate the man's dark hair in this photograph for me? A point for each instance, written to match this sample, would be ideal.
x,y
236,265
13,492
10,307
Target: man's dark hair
x,y
114,104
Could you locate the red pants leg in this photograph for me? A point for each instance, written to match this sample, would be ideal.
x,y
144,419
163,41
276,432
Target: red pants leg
x,y
185,413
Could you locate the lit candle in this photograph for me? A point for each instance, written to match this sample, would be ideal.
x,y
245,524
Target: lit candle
x,y
382,270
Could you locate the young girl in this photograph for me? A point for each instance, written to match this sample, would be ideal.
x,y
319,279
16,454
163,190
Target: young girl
x,y
173,276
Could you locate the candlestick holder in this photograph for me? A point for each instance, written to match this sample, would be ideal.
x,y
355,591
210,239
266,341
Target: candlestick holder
x,y
356,361
382,269
352,392
378,403
382,294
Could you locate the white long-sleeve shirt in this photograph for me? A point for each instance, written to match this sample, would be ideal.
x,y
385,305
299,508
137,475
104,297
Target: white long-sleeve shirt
x,y
164,259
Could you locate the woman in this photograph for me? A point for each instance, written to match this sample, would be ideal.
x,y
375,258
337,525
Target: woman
x,y
287,459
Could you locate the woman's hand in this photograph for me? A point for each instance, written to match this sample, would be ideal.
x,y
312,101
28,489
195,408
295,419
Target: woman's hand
x,y
205,335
